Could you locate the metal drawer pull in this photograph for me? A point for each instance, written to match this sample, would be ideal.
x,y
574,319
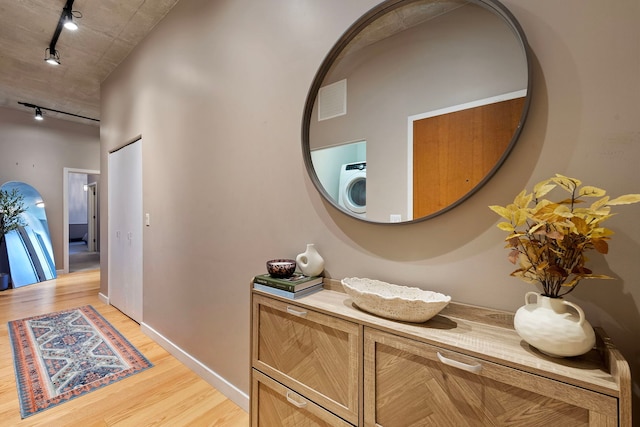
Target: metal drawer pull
x,y
294,403
470,368
296,312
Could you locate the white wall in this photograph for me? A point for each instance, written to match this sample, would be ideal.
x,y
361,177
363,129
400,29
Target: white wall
x,y
37,152
217,92
77,198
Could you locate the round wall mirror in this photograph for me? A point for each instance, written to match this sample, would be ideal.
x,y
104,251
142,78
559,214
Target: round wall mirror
x,y
416,107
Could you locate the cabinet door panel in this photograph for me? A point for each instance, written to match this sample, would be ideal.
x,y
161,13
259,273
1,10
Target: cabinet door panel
x,y
125,229
314,354
275,405
408,383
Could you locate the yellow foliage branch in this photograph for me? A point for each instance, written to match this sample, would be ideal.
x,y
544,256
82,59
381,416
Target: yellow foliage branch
x,y
548,240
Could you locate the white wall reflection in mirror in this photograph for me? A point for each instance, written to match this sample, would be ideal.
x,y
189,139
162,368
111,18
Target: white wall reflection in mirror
x,y
329,161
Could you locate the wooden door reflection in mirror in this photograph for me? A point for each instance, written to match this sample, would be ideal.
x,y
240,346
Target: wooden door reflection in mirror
x,y
453,152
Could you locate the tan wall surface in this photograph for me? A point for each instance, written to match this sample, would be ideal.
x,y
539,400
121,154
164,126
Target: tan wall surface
x,y
217,93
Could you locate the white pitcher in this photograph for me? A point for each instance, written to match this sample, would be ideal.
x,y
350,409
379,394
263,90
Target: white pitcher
x,y
310,261
548,325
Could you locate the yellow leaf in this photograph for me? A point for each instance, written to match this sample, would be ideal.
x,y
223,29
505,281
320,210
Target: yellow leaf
x,y
543,207
542,188
519,217
581,225
537,227
542,265
595,218
589,212
589,191
603,212
569,184
563,211
627,199
600,233
572,283
597,276
523,199
506,226
502,211
599,203
514,236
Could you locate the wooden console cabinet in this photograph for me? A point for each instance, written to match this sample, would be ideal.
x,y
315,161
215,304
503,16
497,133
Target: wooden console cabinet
x,y
320,361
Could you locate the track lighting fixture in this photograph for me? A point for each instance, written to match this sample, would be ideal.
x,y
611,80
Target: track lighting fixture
x,y
39,109
51,56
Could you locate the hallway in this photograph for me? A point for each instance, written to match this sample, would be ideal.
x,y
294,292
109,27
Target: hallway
x,y
80,259
168,394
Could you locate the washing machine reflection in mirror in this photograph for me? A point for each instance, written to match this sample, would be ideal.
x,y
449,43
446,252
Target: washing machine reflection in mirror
x,y
352,194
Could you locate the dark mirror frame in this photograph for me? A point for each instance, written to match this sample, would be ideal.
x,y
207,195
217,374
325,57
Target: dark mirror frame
x,y
369,17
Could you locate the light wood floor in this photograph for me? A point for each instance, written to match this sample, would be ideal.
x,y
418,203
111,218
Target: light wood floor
x,y
168,394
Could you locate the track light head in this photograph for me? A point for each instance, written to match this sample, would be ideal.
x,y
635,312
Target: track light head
x,y
38,115
68,21
52,56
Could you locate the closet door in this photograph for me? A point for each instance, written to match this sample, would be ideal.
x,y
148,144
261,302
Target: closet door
x,y
125,230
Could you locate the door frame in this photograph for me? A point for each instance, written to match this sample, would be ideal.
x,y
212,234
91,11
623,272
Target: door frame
x,y
65,213
92,217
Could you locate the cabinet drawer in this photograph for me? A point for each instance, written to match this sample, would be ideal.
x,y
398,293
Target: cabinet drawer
x,y
408,383
315,355
273,404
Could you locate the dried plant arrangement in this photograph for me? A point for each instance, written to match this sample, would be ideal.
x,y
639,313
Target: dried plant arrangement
x,y
549,239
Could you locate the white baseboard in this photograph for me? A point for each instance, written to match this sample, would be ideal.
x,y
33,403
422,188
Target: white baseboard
x,y
223,386
103,298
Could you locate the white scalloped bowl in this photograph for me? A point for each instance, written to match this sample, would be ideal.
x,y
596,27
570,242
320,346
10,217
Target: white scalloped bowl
x,y
394,301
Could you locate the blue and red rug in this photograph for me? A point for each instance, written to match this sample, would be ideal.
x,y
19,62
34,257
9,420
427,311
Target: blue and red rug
x,y
64,355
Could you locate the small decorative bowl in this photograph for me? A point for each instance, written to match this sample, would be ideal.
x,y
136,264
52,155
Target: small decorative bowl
x,y
281,268
394,301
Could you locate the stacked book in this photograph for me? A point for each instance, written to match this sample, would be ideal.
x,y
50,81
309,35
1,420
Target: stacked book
x,y
294,287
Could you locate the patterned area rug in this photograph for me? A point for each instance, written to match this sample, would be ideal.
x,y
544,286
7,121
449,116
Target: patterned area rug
x,y
64,355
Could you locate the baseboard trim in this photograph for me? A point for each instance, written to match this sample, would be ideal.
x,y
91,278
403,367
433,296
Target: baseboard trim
x,y
222,385
103,298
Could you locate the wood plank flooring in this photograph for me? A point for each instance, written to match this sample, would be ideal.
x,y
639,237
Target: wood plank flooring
x,y
168,394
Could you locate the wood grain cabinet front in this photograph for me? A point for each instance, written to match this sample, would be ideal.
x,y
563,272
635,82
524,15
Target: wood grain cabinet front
x,y
321,361
446,388
313,354
275,405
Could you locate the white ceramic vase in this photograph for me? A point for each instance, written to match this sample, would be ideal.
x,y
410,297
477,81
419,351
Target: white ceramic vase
x,y
310,262
549,325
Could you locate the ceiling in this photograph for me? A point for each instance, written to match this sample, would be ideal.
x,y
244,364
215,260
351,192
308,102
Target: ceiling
x,y
109,30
